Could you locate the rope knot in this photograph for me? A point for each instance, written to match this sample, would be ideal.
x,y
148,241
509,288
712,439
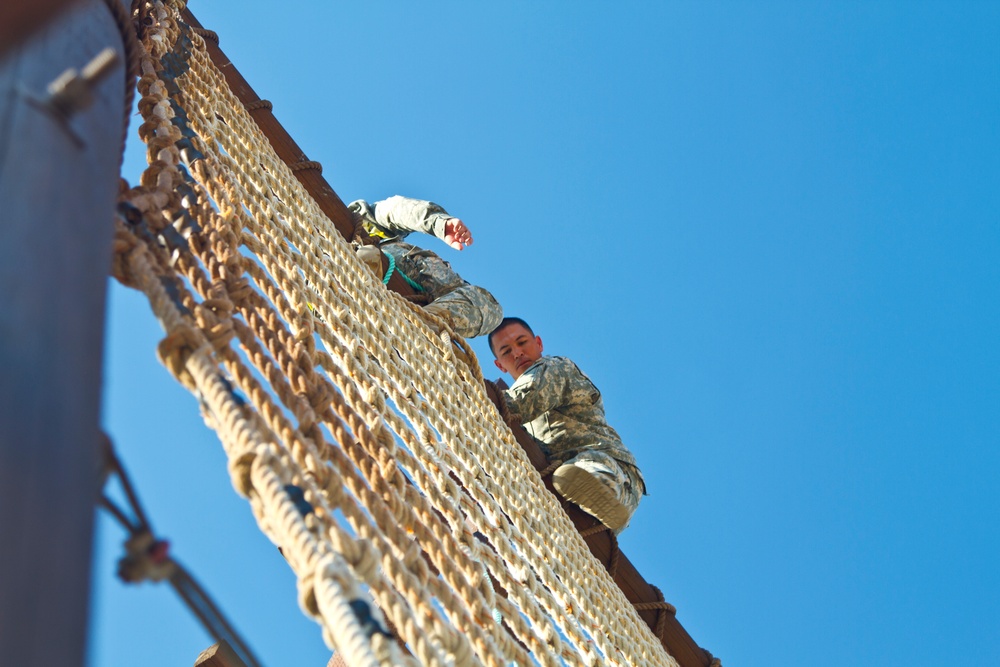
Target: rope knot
x,y
175,350
219,306
218,329
124,246
304,348
319,397
237,284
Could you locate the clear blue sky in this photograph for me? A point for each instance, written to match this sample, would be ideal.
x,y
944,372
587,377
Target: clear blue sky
x,y
769,232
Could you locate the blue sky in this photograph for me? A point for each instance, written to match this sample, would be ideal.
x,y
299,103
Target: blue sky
x,y
768,231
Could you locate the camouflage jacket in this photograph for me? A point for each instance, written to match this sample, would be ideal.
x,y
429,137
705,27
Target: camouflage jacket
x,y
473,310
563,410
391,220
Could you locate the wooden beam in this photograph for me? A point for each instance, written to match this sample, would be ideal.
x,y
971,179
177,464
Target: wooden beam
x,y
219,655
58,183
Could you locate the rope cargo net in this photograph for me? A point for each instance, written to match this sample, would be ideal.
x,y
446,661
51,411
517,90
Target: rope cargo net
x,y
357,427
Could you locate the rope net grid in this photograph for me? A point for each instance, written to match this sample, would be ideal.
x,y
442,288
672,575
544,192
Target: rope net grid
x,y
356,425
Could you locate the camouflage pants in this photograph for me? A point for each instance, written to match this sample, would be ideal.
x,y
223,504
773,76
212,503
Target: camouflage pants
x,y
619,478
470,310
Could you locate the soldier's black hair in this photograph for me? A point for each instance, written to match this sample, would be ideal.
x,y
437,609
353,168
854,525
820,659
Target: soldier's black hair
x,y
506,322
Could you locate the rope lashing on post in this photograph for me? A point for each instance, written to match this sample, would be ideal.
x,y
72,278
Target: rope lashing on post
x,y
662,607
713,661
547,472
207,35
148,558
305,165
259,104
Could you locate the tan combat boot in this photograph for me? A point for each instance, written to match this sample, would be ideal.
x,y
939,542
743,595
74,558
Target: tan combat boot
x,y
587,490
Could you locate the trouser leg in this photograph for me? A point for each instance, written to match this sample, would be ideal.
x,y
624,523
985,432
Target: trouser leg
x,y
470,310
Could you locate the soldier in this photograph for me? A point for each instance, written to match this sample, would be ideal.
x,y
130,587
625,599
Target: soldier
x,y
469,309
562,409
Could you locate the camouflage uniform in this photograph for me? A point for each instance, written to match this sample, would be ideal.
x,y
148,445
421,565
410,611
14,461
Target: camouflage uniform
x,y
562,409
470,309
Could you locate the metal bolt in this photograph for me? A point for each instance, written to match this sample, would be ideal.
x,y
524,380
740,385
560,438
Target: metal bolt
x,y
73,91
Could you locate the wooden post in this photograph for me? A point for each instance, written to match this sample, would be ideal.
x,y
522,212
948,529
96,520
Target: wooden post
x,y
58,182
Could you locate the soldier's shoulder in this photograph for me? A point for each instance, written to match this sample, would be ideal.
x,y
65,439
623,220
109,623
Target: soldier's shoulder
x,y
562,361
563,366
567,368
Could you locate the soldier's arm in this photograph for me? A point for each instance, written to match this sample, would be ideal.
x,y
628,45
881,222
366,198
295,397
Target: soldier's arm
x,y
401,215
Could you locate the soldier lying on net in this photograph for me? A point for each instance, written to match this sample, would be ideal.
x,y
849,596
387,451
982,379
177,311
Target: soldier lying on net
x,y
469,309
563,411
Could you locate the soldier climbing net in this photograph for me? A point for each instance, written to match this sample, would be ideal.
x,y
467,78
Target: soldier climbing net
x,y
356,425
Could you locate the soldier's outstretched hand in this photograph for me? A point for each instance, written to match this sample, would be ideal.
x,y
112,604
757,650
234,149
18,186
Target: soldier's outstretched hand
x,y
456,234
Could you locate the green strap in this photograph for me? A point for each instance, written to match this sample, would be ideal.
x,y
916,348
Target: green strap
x,y
392,267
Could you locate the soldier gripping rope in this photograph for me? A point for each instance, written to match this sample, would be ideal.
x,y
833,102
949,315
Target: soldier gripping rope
x,y
562,410
469,309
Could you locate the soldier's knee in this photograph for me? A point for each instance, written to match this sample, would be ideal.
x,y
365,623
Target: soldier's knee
x,y
470,310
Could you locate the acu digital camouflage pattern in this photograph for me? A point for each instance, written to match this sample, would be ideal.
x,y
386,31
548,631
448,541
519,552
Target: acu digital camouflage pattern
x,y
470,309
563,410
613,475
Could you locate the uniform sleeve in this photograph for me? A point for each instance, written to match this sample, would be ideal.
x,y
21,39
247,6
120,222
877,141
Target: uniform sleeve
x,y
398,216
546,386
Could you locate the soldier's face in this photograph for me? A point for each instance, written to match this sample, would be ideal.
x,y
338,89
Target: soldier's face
x,y
516,349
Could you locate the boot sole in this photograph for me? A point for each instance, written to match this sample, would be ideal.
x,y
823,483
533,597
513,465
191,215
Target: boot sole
x,y
583,488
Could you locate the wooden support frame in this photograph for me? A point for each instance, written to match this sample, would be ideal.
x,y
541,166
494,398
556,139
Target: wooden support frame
x,y
637,590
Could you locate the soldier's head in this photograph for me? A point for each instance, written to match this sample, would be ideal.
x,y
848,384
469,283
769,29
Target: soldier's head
x,y
515,346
